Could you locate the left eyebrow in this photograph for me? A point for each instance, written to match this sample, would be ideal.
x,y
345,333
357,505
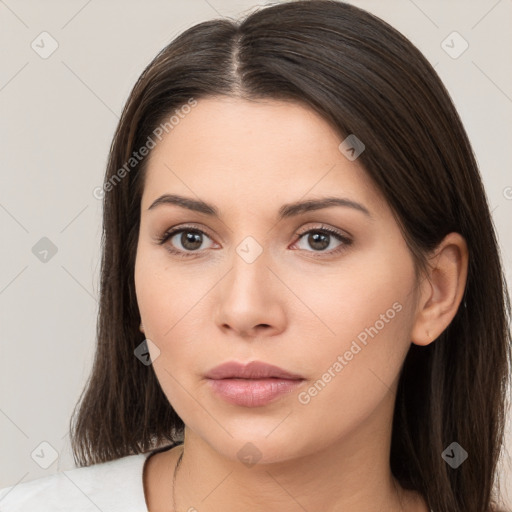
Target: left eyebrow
x,y
291,209
286,211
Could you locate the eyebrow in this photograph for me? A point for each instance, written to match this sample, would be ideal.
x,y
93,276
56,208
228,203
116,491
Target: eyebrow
x,y
286,211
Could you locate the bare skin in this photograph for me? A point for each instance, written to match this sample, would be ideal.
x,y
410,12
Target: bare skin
x,y
295,306
157,478
158,485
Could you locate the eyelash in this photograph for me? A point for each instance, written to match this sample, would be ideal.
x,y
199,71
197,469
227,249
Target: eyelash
x,y
322,229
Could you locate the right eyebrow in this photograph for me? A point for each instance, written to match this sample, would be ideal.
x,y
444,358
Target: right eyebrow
x,y
186,202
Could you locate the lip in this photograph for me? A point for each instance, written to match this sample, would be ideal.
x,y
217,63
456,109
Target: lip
x,y
251,385
251,370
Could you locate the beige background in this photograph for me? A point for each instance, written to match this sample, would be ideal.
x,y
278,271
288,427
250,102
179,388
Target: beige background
x,y
58,118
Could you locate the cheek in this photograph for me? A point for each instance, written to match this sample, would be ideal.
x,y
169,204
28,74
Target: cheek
x,y
167,304
369,315
173,307
365,296
163,294
364,301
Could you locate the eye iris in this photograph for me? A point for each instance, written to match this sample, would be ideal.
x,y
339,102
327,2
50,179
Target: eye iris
x,y
192,238
318,240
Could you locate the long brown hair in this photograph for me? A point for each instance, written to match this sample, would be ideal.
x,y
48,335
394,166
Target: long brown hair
x,y
364,78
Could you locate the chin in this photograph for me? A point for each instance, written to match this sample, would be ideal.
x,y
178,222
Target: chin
x,y
251,447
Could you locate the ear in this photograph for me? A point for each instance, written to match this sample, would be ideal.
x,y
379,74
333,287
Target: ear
x,y
441,291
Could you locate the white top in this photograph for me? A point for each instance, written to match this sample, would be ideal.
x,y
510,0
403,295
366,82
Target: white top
x,y
114,486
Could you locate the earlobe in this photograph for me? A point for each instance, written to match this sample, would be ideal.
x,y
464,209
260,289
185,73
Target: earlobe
x,y
442,290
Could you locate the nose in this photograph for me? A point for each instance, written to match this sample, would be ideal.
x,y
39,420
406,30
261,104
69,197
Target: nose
x,y
250,299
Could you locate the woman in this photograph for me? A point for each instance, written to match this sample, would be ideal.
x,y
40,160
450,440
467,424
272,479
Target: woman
x,y
302,300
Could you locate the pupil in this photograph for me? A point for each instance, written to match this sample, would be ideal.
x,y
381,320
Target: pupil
x,y
318,240
191,240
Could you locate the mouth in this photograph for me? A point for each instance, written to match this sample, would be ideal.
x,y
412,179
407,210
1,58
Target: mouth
x,y
251,370
251,385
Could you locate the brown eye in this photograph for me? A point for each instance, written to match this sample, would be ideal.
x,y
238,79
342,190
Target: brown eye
x,y
191,240
321,239
184,241
318,241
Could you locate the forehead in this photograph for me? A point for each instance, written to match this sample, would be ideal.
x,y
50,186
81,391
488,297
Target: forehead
x,y
251,152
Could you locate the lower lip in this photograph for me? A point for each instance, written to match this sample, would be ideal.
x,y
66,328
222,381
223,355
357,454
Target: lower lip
x,y
252,392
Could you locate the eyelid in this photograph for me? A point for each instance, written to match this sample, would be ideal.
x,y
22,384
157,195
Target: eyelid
x,y
171,232
324,227
181,227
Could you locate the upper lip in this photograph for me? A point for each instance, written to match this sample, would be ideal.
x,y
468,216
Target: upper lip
x,y
251,370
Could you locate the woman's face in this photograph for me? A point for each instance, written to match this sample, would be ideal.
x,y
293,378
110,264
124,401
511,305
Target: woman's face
x,y
251,283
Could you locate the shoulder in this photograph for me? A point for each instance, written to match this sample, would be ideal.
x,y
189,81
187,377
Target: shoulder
x,y
110,486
